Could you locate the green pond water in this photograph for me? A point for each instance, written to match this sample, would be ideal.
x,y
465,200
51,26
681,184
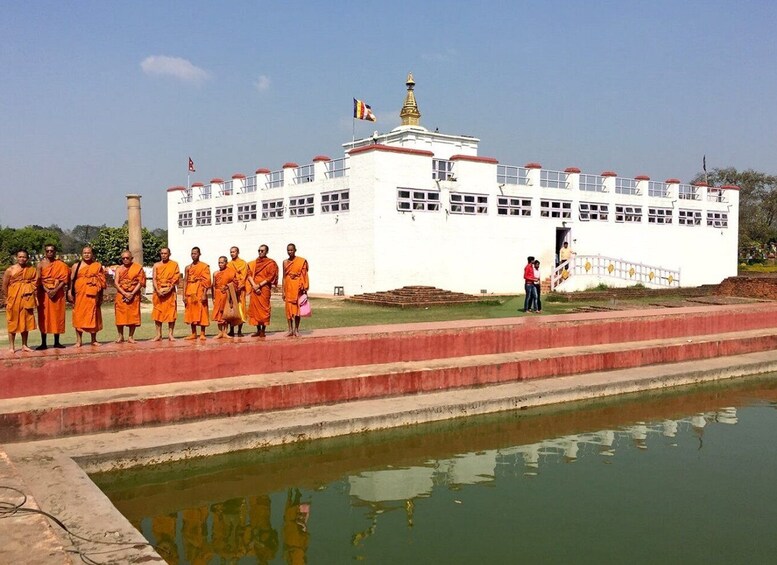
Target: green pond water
x,y
688,476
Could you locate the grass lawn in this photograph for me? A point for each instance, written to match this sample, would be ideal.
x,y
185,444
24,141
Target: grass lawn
x,y
329,313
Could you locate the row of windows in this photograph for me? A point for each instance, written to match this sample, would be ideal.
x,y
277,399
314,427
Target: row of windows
x,y
331,202
477,204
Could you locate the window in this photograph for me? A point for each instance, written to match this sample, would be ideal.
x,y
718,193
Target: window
x,y
204,217
628,213
592,183
555,209
184,219
301,206
186,195
717,219
421,200
509,206
336,201
442,169
553,179
227,188
224,215
689,217
246,212
250,184
593,211
659,215
461,203
205,192
272,209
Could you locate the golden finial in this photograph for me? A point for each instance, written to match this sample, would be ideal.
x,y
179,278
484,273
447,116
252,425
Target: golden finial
x,y
410,114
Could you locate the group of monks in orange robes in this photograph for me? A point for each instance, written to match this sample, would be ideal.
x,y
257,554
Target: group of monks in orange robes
x,y
240,291
48,287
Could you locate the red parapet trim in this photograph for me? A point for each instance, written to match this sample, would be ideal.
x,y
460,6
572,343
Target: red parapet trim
x,y
700,183
390,149
290,165
176,188
474,159
672,181
263,171
572,170
729,187
642,177
532,166
197,185
609,174
216,181
238,176
319,158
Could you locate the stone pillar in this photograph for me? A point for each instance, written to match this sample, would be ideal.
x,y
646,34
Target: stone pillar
x,y
135,225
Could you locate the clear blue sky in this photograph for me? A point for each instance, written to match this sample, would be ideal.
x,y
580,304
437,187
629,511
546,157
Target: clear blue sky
x,y
100,99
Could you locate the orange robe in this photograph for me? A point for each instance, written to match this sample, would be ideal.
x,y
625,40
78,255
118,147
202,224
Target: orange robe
x,y
88,287
196,294
261,270
127,278
221,280
295,282
20,302
165,308
51,311
241,270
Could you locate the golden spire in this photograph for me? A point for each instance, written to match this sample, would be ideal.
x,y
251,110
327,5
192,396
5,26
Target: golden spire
x,y
410,114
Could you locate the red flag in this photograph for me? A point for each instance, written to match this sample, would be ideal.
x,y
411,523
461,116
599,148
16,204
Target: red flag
x,y
191,165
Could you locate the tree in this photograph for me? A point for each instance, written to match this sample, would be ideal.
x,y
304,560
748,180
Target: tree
x,y
757,207
110,242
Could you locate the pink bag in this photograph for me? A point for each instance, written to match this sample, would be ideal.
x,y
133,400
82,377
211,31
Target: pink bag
x,y
304,306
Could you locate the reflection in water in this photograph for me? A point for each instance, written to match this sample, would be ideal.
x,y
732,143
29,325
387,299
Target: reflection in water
x,y
363,508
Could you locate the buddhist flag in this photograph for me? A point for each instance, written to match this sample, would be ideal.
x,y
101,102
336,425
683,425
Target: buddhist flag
x,y
191,165
362,111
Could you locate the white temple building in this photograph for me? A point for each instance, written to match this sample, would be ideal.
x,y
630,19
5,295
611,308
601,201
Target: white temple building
x,y
420,207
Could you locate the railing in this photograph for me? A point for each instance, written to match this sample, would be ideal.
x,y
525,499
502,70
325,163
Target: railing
x,y
336,168
591,183
715,195
227,188
275,179
442,169
205,192
506,174
625,186
611,267
305,174
554,179
186,196
250,184
688,192
657,189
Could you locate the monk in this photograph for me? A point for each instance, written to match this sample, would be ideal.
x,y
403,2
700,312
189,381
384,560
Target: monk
x,y
165,277
295,284
262,276
88,278
20,282
53,280
130,280
220,292
195,291
241,270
